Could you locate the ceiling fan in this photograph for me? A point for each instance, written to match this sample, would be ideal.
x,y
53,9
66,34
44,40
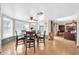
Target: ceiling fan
x,y
39,14
32,19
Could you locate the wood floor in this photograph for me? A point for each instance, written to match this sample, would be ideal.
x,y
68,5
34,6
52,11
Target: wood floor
x,y
58,46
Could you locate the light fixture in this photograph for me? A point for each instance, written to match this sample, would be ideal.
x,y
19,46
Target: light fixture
x,y
32,19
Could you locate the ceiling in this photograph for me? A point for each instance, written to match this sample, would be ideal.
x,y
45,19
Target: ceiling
x,y
50,10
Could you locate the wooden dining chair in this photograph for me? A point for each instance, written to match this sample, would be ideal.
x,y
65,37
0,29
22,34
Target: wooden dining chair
x,y
30,39
19,41
41,38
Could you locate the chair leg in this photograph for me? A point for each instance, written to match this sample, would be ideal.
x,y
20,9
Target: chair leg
x,y
37,42
44,42
26,49
29,44
24,41
16,46
34,47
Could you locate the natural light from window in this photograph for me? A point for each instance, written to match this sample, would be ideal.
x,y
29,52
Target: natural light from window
x,y
7,27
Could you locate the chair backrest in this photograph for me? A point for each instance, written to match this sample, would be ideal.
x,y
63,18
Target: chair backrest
x,y
38,33
24,33
33,35
16,35
30,34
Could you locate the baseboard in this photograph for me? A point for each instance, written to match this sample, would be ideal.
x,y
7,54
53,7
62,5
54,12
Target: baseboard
x,y
7,40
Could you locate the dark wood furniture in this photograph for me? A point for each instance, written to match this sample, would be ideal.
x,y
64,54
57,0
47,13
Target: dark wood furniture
x,y
30,40
71,31
61,30
69,36
19,41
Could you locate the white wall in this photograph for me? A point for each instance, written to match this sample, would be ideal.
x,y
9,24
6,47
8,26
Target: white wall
x,y
49,26
55,29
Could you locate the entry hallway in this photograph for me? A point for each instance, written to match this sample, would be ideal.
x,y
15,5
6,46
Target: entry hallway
x,y
58,46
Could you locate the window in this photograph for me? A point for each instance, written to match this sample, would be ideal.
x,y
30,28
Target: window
x,y
34,25
21,26
7,27
43,27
